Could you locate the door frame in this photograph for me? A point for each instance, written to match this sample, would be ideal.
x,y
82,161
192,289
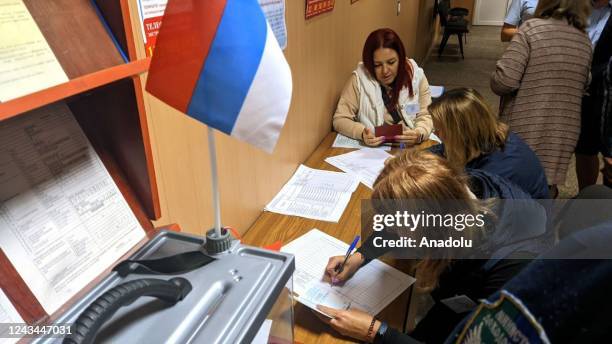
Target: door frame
x,y
476,20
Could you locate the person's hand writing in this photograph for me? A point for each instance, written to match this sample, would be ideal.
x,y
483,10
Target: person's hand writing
x,y
353,323
333,266
370,140
410,137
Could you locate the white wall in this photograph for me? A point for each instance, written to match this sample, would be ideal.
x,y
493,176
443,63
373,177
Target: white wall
x,y
490,12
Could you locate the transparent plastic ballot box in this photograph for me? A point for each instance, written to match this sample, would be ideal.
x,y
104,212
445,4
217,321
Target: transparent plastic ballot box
x,y
229,300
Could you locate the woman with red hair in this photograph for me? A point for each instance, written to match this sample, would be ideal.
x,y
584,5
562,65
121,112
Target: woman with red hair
x,y
386,88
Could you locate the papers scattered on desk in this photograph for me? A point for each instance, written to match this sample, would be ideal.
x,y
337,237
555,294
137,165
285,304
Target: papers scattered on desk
x,y
63,220
436,91
342,141
365,163
315,194
371,289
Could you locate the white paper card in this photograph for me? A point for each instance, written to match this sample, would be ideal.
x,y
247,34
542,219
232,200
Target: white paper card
x,y
62,217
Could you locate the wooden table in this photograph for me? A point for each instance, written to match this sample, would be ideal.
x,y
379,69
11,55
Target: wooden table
x,y
272,227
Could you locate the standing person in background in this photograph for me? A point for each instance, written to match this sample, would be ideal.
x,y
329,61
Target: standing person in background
x,y
386,88
590,143
542,77
518,13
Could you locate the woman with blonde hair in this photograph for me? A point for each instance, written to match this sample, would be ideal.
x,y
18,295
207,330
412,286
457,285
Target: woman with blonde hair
x,y
474,138
422,175
542,77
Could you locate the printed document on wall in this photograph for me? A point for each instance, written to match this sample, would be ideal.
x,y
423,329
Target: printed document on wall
x,y
63,219
27,63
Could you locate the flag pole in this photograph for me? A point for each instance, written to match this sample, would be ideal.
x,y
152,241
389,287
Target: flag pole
x,y
215,181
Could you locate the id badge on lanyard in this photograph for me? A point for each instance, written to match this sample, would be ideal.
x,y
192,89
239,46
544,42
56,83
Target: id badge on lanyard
x,y
412,110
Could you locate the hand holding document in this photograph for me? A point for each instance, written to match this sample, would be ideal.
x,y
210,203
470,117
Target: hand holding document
x,y
315,194
371,289
365,163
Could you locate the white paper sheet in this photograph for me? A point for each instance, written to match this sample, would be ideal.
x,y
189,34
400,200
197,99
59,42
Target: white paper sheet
x,y
263,334
62,217
342,141
371,289
274,10
365,163
8,315
436,91
315,194
27,63
435,137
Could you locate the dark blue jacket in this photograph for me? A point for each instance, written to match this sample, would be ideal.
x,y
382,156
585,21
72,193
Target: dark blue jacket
x,y
566,291
515,162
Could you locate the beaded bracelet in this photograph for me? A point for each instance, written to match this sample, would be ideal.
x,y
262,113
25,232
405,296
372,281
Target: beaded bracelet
x,y
371,328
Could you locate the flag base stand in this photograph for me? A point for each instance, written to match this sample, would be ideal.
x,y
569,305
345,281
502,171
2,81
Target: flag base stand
x,y
216,244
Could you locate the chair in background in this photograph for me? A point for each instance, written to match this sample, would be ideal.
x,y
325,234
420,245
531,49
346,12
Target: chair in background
x,y
454,23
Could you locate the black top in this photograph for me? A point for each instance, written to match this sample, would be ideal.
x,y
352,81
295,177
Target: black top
x,y
601,56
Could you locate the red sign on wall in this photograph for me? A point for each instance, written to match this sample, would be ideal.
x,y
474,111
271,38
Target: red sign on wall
x,y
316,7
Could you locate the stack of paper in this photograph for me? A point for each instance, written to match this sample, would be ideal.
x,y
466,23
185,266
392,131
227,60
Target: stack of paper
x,y
63,219
342,141
315,194
371,289
365,163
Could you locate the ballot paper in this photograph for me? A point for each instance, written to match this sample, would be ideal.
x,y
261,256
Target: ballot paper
x,y
8,315
315,194
435,137
371,289
62,217
342,141
365,163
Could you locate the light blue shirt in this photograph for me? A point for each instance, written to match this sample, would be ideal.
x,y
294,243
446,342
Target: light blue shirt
x,y
597,22
520,11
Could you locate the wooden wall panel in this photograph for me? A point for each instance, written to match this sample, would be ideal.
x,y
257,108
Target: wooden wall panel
x,y
322,52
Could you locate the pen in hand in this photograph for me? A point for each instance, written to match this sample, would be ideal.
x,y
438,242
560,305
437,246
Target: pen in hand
x,y
340,267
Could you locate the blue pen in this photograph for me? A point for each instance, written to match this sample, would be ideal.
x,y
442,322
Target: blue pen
x,y
348,254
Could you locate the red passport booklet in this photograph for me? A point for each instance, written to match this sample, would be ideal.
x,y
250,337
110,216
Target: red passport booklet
x,y
388,131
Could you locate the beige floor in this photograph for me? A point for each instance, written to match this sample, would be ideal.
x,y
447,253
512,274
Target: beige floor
x,y
481,53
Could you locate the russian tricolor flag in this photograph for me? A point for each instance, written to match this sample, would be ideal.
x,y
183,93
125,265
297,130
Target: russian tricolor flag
x,y
219,62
